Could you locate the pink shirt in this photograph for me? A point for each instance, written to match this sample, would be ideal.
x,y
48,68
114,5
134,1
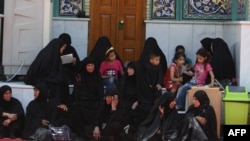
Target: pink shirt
x,y
111,69
201,73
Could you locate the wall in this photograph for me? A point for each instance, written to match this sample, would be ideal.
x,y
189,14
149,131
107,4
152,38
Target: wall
x,y
79,32
169,34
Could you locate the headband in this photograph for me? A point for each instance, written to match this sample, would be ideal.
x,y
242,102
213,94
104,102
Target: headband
x,y
110,49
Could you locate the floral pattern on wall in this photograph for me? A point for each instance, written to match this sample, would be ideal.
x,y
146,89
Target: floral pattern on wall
x,y
207,9
163,9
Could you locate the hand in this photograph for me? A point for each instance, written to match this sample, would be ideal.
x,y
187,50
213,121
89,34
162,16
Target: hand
x,y
63,107
74,61
180,79
114,102
12,116
6,122
96,133
134,105
158,86
201,120
211,85
45,122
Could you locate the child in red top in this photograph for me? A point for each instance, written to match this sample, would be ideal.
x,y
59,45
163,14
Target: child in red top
x,y
173,76
110,69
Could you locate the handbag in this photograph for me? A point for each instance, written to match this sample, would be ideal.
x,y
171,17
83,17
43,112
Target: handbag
x,y
61,133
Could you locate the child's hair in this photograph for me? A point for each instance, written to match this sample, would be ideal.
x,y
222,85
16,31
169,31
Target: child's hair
x,y
178,55
203,52
153,55
110,50
179,47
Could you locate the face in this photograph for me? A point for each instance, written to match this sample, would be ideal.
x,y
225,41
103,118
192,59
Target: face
x,y
63,48
90,68
201,59
130,71
196,102
112,56
172,104
7,95
180,61
155,60
36,93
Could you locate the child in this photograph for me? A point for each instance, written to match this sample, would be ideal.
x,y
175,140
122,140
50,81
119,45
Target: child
x,y
173,79
154,73
110,69
201,68
187,64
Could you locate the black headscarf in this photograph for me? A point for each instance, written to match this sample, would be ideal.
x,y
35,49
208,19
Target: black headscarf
x,y
89,86
43,92
66,38
5,104
151,46
46,65
99,51
222,60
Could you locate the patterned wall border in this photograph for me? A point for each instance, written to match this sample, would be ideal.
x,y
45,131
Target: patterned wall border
x,y
207,9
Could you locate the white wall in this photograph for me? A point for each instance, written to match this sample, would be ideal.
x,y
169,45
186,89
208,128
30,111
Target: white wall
x,y
169,34
78,30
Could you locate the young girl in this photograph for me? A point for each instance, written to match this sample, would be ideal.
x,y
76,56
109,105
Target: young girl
x,y
110,69
202,68
173,79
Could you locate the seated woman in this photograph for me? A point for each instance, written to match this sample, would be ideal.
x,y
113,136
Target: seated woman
x,y
42,112
162,122
109,124
12,114
200,121
87,98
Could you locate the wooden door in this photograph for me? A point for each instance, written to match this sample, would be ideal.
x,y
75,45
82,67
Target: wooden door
x,y
122,21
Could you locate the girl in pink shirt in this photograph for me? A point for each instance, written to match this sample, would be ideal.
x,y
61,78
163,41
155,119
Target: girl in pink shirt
x,y
110,69
201,70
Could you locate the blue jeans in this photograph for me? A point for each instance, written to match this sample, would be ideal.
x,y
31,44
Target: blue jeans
x,y
181,94
110,83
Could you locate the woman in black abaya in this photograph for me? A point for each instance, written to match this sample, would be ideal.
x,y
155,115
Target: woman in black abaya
x,y
147,75
47,68
42,112
162,123
70,69
200,121
222,60
128,91
12,114
87,95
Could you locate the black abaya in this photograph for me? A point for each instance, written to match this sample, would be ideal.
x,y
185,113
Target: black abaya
x,y
42,108
47,68
13,106
87,95
222,61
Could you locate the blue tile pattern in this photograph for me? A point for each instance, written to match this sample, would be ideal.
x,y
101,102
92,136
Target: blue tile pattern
x,y
207,9
163,9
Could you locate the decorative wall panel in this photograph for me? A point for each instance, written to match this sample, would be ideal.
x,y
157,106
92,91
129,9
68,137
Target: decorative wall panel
x,y
165,9
207,9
